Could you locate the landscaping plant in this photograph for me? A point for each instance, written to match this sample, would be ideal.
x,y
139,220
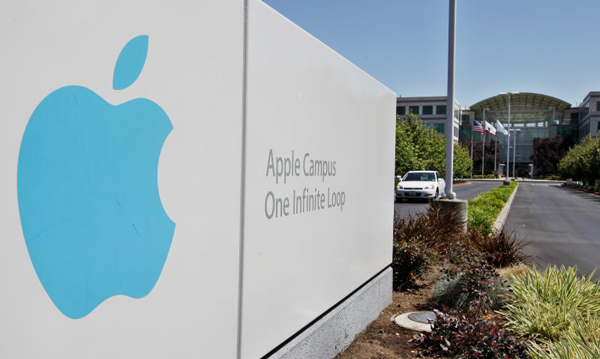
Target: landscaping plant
x,y
555,304
485,208
437,227
501,250
418,241
467,336
481,218
575,345
582,162
411,261
468,281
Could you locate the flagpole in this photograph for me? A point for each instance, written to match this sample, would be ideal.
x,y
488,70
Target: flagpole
x,y
508,144
507,134
495,152
483,145
483,151
471,152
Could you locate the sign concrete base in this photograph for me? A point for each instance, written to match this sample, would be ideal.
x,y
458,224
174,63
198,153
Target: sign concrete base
x,y
335,331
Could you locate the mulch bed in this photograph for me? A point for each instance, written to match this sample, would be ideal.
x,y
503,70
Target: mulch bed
x,y
383,339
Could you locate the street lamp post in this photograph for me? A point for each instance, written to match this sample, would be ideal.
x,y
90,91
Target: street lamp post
x,y
514,147
508,142
450,101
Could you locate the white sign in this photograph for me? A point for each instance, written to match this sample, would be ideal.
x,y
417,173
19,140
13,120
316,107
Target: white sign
x,y
319,180
167,177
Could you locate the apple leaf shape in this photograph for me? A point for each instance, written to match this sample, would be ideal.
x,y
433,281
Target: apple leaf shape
x,y
130,62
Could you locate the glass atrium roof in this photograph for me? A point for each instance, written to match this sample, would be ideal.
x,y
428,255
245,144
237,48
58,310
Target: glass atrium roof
x,y
524,107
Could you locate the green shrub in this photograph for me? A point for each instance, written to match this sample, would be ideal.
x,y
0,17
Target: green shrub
x,y
480,218
485,208
504,192
582,162
484,200
554,304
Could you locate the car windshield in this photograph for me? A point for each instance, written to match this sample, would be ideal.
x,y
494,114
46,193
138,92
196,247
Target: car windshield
x,y
419,176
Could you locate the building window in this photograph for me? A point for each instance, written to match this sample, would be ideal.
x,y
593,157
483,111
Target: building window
x,y
598,106
440,109
439,127
427,110
574,118
400,110
414,109
585,110
584,131
466,118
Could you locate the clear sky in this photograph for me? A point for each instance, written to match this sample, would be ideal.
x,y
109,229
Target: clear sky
x,y
544,46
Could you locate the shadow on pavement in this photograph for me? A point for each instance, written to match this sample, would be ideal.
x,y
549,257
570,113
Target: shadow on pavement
x,y
583,195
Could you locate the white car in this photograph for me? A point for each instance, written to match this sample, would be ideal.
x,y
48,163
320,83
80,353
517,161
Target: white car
x,y
420,185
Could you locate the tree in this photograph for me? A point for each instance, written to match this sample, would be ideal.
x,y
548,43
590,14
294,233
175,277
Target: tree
x,y
463,166
547,152
582,162
420,148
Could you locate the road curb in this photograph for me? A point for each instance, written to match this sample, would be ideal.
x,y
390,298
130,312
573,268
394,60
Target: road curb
x,y
460,184
501,220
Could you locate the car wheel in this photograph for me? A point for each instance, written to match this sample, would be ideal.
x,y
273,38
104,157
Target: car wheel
x,y
437,193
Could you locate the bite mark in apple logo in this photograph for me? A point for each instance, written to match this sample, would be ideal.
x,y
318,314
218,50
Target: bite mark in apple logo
x,y
87,187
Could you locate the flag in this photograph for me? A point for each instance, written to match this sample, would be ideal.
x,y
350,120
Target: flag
x,y
477,126
501,128
489,128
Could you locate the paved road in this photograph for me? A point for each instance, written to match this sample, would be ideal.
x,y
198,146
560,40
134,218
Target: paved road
x,y
466,191
562,225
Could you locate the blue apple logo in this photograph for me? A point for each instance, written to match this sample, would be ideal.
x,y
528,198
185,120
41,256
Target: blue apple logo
x,y
87,186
